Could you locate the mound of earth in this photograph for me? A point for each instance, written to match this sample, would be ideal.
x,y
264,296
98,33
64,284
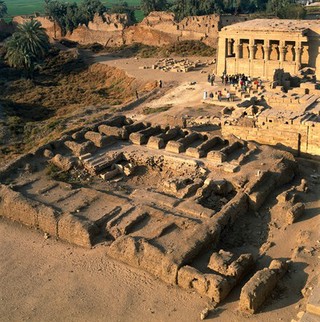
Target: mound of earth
x,y
66,92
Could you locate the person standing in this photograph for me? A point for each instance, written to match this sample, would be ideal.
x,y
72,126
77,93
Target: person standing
x,y
212,78
228,96
205,95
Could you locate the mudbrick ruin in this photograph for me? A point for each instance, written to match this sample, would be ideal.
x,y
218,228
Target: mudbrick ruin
x,y
157,29
159,198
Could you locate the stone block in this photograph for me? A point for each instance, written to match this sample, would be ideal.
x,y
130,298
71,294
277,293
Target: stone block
x,y
135,127
192,208
17,207
98,139
119,133
313,305
141,254
156,142
80,149
216,157
63,163
175,147
76,230
260,286
295,212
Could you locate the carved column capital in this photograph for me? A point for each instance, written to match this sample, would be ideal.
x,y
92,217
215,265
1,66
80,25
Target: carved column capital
x,y
252,49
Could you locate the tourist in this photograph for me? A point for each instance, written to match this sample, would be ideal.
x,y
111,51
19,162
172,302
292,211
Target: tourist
x,y
209,78
212,78
160,84
211,95
137,95
205,95
219,96
228,96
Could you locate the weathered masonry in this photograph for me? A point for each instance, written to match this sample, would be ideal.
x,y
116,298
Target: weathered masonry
x,y
260,46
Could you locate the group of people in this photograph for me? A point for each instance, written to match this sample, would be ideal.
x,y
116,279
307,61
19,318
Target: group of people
x,y
239,79
218,94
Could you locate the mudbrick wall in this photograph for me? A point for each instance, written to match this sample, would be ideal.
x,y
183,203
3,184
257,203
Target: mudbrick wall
x,y
52,27
157,29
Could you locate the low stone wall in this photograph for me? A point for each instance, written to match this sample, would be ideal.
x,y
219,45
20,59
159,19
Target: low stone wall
x,y
299,139
260,286
37,215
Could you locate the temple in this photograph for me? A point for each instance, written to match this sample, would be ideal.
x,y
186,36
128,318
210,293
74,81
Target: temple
x,y
260,46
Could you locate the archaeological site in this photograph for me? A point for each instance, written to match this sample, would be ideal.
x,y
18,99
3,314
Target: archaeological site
x,y
195,198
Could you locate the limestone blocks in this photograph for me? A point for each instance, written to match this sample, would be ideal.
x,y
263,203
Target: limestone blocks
x,y
204,148
176,66
63,162
181,145
215,286
78,231
119,133
95,165
98,139
142,254
260,286
295,212
37,215
160,141
142,136
80,148
135,127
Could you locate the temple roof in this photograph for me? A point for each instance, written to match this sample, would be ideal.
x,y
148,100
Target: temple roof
x,y
274,25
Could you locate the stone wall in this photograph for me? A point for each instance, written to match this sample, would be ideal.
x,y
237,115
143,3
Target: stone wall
x,y
107,30
297,138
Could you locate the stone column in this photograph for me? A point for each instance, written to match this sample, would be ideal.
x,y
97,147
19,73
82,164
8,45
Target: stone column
x,y
298,52
283,51
266,50
222,55
237,48
252,49
229,49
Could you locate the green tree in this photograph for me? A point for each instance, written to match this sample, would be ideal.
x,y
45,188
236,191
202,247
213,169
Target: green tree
x,y
3,9
292,11
179,8
148,6
27,46
88,8
184,8
274,6
123,7
70,15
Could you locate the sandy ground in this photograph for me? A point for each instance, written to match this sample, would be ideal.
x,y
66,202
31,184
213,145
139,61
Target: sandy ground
x,y
183,98
48,280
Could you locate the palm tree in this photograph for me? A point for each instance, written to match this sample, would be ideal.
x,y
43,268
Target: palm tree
x,y
3,8
27,46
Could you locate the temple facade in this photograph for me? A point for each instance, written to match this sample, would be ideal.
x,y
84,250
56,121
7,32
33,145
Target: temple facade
x,y
258,47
